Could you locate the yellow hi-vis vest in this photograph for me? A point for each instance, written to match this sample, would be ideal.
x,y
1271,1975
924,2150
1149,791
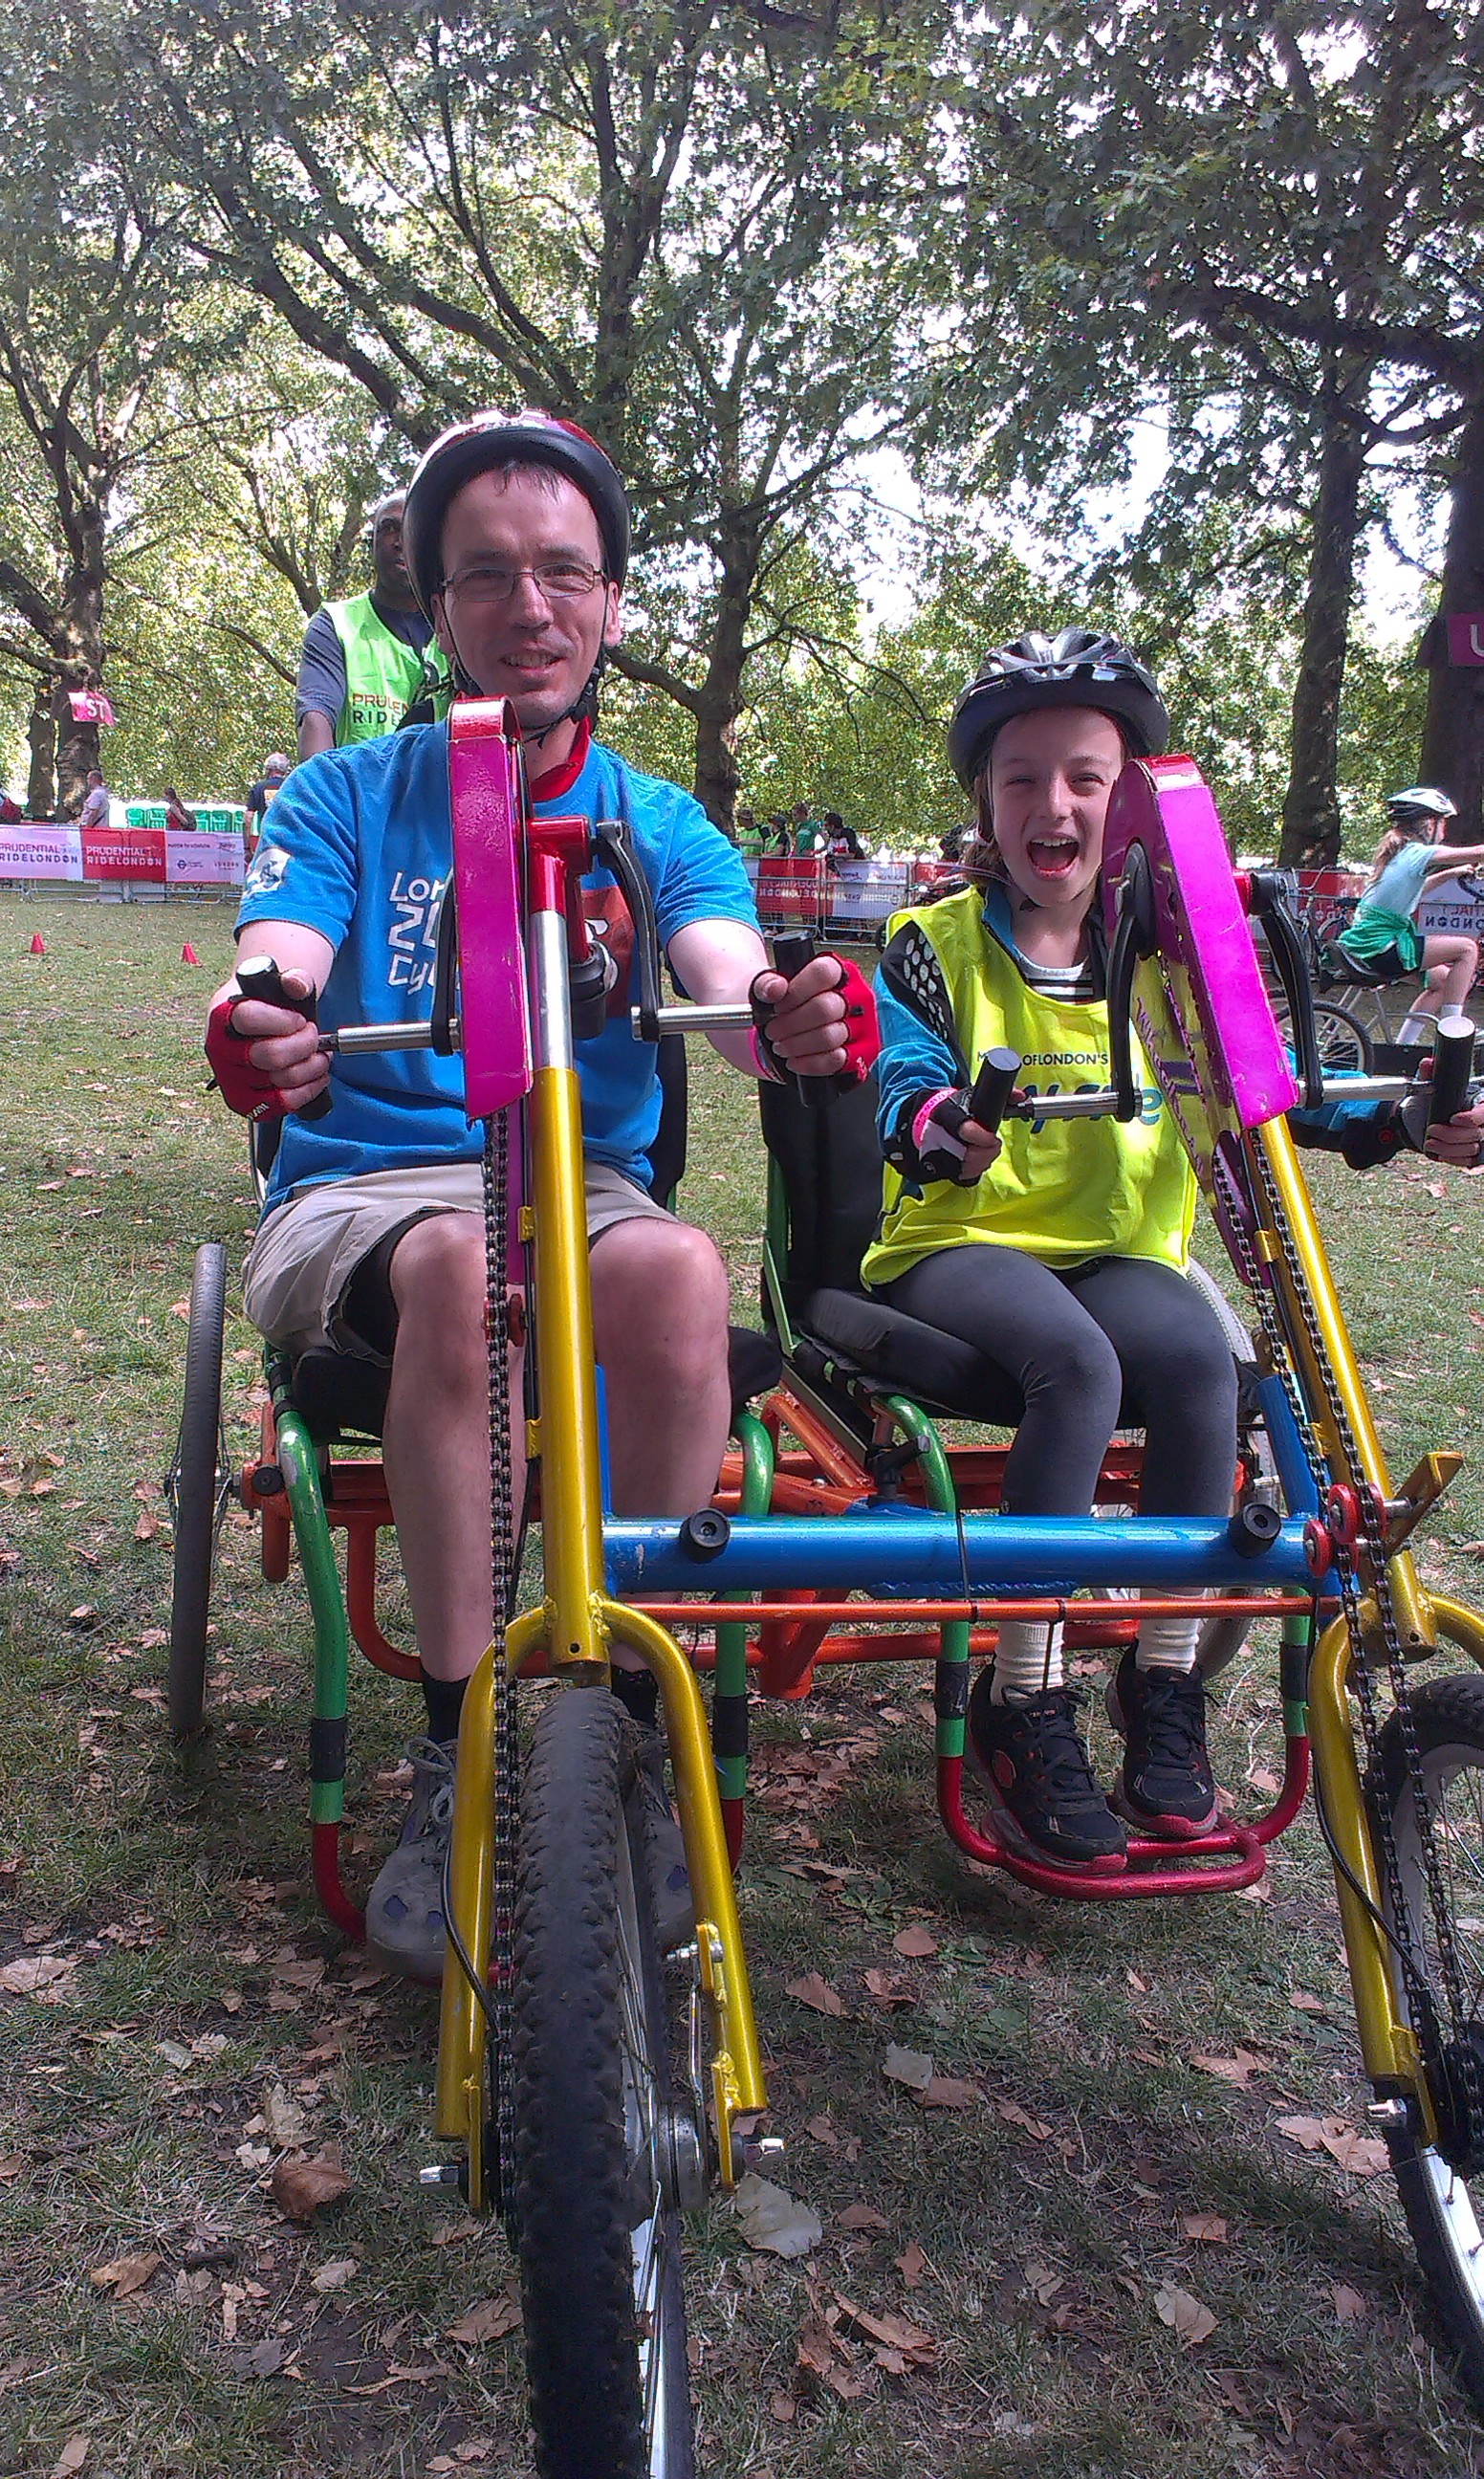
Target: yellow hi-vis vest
x,y
383,673
1065,1191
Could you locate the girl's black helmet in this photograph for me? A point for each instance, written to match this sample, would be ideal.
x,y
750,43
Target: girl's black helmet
x,y
1077,668
489,439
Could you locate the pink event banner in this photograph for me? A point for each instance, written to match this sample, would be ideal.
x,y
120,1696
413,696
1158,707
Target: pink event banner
x,y
202,860
40,852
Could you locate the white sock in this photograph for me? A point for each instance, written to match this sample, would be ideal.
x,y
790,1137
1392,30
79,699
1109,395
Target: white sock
x,y
1166,1644
1419,1028
1027,1659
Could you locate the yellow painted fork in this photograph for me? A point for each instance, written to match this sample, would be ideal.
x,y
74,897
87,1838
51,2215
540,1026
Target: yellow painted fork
x,y
574,1627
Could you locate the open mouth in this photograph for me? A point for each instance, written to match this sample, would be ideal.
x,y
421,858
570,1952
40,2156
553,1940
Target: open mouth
x,y
1053,856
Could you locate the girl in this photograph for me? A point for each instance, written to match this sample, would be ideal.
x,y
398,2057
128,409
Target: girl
x,y
1383,939
1058,1253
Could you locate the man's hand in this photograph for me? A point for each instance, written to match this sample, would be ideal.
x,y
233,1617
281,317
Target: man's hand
x,y
822,1023
1457,1141
267,1060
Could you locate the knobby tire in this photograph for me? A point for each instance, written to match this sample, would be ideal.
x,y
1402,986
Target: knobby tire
x,y
600,2248
195,1495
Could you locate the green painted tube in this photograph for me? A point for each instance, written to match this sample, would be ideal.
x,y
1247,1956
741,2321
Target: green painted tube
x,y
728,1706
327,1605
950,1680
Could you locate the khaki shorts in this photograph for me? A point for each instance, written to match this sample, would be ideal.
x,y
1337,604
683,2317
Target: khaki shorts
x,y
304,1257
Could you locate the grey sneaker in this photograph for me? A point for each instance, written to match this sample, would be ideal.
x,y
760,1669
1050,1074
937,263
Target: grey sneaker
x,y
404,1919
674,1912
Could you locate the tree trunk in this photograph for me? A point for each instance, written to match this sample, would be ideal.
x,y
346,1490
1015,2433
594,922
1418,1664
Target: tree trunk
x,y
1311,807
721,696
1453,734
41,735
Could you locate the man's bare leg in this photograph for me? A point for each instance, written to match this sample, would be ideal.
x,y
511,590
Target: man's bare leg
x,y
659,1317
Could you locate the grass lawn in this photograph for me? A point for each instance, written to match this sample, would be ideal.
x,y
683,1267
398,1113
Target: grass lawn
x,y
198,2017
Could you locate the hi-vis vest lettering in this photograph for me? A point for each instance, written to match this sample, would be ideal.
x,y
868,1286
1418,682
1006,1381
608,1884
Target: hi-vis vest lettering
x,y
383,673
1062,1190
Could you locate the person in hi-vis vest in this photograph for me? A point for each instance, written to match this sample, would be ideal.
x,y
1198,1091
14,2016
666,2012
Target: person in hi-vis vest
x,y
366,662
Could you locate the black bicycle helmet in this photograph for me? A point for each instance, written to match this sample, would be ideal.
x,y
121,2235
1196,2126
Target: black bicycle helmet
x,y
488,438
1079,667
1420,801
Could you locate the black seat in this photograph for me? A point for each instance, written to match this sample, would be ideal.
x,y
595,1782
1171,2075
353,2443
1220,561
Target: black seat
x,y
828,1164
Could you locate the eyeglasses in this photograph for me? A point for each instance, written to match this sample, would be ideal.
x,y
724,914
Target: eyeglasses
x,y
561,580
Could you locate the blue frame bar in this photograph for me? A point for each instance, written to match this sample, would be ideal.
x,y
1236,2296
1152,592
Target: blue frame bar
x,y
1007,1554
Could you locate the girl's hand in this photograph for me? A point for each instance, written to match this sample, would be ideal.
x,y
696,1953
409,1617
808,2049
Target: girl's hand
x,y
980,1150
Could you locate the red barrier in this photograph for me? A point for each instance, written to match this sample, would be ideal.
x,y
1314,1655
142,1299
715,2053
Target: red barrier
x,y
133,851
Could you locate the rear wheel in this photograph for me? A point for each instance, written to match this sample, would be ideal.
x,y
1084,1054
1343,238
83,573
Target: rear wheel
x,y
1346,1042
1441,2183
196,1486
603,2154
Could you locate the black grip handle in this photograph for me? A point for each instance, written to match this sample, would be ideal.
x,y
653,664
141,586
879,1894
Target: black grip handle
x,y
1286,946
258,977
993,1089
792,950
1452,1068
1134,937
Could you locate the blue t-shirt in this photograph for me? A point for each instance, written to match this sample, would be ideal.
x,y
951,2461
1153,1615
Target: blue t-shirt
x,y
358,845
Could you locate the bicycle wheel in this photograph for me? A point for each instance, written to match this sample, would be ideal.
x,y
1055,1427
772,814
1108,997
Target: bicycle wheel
x,y
196,1486
597,2138
1442,2202
1345,1047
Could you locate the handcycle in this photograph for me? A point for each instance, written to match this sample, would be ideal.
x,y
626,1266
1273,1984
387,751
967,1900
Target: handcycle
x,y
863,1538
1359,1012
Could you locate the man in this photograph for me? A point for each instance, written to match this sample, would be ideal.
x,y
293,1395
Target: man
x,y
276,770
364,661
517,540
95,808
808,834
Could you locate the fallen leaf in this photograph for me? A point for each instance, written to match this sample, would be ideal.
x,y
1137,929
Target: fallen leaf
x,y
284,2123
1237,2069
148,1525
266,2359
1012,2114
910,2066
33,1972
914,1944
332,2275
74,2453
949,2091
1363,2155
862,2216
889,1989
1208,2228
299,2188
1349,2306
126,2274
174,2053
1302,2002
489,2320
1043,2281
1183,2313
918,2347
773,2221
822,2131
911,2264
816,1991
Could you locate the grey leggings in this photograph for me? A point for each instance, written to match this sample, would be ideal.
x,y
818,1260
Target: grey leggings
x,y
1121,1342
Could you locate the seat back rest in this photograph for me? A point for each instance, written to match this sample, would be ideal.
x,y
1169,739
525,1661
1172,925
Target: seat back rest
x,y
831,1167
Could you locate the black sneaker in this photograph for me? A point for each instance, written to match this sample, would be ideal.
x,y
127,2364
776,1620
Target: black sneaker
x,y
1165,1785
1028,1755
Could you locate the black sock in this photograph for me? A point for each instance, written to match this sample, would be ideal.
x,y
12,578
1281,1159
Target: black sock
x,y
638,1692
444,1701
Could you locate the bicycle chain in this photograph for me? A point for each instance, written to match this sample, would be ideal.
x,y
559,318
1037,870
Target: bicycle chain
x,y
502,1556
1419,1987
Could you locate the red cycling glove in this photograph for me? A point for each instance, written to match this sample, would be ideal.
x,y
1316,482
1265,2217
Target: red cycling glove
x,y
863,1032
248,1090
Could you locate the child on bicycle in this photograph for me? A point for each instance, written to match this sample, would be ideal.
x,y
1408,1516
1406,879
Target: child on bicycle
x,y
1058,1252
1383,940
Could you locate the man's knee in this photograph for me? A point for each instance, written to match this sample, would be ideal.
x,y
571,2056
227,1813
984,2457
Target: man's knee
x,y
660,1296
438,1279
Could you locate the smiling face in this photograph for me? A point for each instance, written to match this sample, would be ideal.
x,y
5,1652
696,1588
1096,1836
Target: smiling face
x,y
1051,773
536,650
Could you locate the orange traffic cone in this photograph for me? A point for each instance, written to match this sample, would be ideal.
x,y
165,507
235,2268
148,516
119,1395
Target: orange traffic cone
x,y
38,944
188,954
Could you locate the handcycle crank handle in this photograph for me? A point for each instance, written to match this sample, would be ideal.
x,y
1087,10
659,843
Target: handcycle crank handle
x,y
1452,1068
993,1089
258,977
792,950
